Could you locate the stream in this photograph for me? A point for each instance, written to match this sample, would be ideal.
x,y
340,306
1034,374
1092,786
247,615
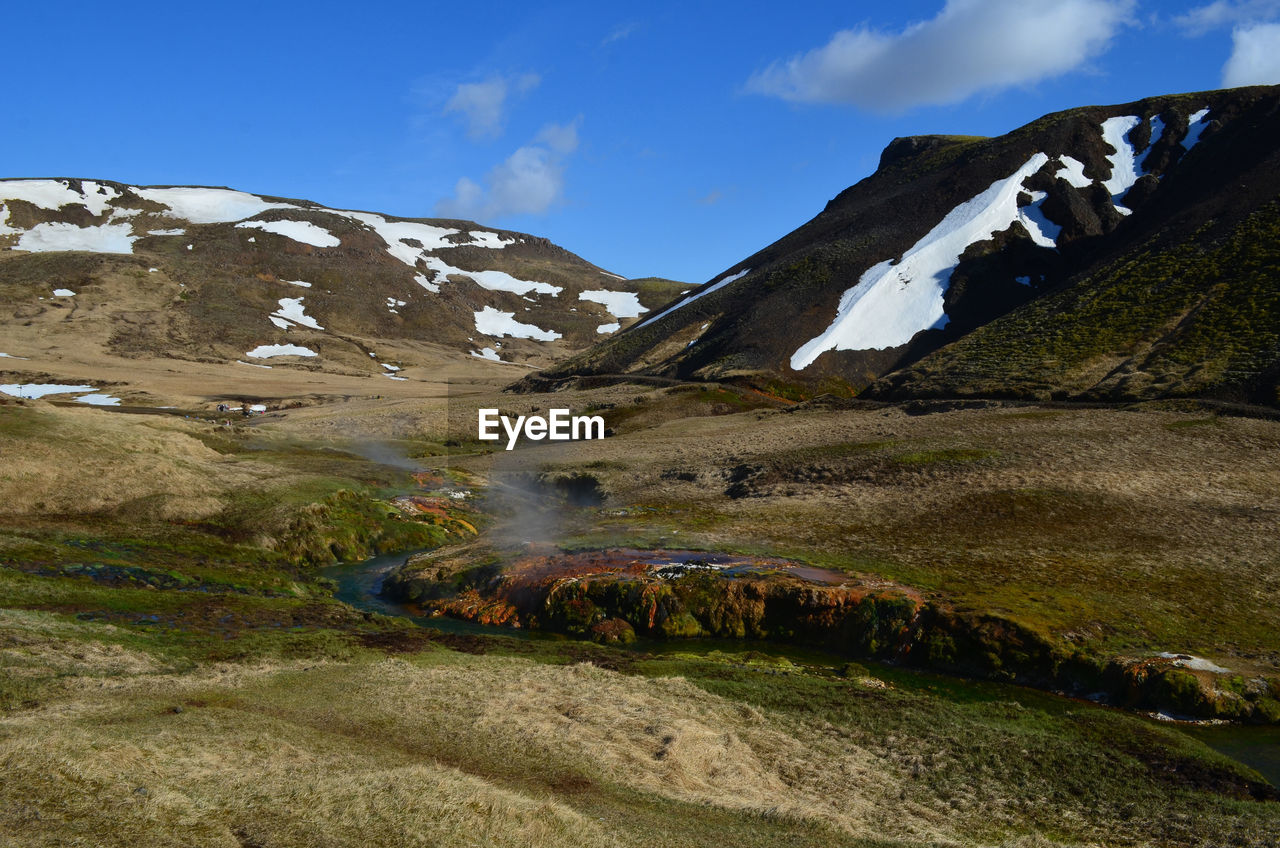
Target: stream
x,y
360,584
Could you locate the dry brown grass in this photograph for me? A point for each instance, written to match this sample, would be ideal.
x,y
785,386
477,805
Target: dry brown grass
x,y
71,461
39,643
452,750
1149,528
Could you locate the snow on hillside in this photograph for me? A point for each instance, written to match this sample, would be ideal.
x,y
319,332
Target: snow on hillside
x,y
894,301
1195,126
1072,171
619,304
55,236
268,351
491,280
492,322
209,205
39,390
700,293
290,311
407,241
99,399
300,231
1124,171
52,194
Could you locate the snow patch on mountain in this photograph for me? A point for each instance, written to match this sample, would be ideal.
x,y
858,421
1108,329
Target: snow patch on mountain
x,y
487,353
39,390
291,310
492,322
426,284
619,304
399,234
300,231
608,328
1195,126
484,238
1124,172
1043,231
1072,171
491,280
99,399
700,293
54,236
895,300
209,205
268,351
55,194
1157,130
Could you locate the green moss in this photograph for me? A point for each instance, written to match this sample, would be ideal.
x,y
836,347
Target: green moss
x,y
1196,317
944,455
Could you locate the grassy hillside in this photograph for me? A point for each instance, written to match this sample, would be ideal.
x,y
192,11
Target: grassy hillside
x,y
1200,318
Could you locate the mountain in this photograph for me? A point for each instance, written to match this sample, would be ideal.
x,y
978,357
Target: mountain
x,y
216,275
1116,252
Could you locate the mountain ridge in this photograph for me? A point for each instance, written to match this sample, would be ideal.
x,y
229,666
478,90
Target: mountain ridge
x,y
210,273
1059,223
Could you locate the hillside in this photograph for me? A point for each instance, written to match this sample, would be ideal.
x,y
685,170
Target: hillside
x,y
1122,252
97,272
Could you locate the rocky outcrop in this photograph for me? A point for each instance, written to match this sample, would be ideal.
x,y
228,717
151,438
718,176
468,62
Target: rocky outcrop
x,y
617,596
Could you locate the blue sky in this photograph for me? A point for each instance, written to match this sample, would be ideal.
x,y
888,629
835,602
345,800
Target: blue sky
x,y
671,139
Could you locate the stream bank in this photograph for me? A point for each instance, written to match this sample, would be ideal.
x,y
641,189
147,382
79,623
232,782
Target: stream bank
x,y
361,585
616,596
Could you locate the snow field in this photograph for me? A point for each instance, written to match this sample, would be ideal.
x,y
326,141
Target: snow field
x,y
268,351
491,280
619,304
894,301
291,311
492,322
300,231
39,390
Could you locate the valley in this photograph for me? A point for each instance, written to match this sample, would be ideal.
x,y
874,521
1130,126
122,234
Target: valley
x,y
1006,579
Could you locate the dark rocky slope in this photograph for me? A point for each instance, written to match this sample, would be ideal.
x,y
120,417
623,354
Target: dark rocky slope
x,y
1179,298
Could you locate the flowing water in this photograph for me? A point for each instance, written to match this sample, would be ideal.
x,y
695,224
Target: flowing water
x,y
360,585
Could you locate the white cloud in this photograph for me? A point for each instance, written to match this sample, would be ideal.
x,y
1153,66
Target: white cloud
x,y
529,182
562,138
1255,56
971,46
619,33
1224,13
483,103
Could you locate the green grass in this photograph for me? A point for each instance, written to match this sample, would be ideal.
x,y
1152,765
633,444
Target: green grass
x,y
943,456
1197,317
1187,423
988,763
